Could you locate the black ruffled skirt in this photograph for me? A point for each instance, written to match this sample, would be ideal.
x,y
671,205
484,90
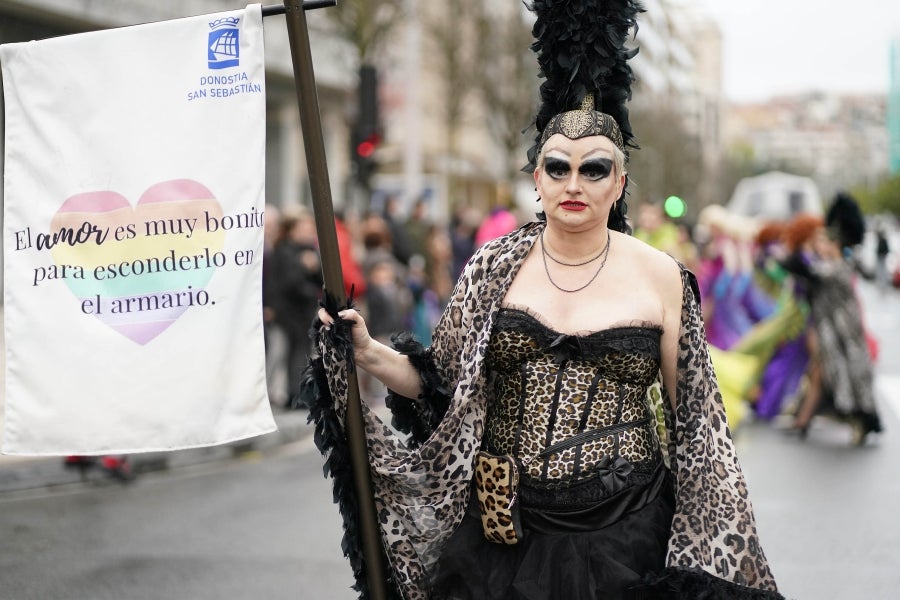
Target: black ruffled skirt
x,y
600,553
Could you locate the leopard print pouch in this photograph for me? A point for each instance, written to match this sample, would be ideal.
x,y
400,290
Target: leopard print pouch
x,y
496,482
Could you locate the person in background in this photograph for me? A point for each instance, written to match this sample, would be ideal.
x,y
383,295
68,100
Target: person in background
x,y
299,273
654,228
417,226
401,243
275,338
499,221
354,278
882,250
463,226
439,262
388,300
840,373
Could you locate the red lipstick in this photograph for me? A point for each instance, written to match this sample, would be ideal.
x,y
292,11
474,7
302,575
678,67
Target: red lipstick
x,y
573,205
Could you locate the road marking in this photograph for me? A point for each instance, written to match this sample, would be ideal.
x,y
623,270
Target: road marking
x,y
888,389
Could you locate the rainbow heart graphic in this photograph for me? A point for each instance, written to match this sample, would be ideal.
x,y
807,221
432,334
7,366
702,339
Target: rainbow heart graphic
x,y
141,267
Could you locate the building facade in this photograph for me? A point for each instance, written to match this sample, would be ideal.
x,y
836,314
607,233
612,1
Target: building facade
x,y
839,141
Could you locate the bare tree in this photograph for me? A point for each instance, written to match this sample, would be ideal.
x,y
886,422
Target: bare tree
x,y
450,32
668,161
507,81
366,25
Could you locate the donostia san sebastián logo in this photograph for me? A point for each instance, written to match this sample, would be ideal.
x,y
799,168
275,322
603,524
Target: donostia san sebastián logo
x,y
223,52
224,48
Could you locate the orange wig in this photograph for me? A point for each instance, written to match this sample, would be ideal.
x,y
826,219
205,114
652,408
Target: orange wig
x,y
801,229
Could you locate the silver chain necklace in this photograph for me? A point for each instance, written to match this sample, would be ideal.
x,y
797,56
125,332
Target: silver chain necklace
x,y
604,253
565,264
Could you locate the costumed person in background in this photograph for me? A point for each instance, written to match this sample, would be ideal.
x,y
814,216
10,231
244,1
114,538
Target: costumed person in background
x,y
726,276
785,370
731,302
840,373
654,228
776,342
544,375
769,246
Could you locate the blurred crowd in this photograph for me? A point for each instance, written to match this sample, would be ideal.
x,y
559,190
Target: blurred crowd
x,y
786,329
399,268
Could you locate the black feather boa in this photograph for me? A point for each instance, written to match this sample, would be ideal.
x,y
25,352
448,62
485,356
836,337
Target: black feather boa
x,y
331,440
418,417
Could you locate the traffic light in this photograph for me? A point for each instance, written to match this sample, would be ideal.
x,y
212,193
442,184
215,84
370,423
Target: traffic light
x,y
675,207
364,164
366,131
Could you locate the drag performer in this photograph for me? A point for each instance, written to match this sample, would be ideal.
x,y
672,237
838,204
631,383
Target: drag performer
x,y
840,372
541,457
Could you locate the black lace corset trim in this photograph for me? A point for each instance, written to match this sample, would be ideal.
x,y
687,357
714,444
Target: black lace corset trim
x,y
638,337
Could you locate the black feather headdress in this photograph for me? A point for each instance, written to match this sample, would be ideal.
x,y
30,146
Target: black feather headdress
x,y
845,221
581,52
580,46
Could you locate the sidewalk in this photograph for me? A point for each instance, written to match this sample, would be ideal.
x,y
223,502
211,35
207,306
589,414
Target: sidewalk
x,y
18,473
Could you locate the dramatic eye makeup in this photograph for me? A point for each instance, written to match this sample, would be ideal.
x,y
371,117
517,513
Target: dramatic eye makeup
x,y
596,169
593,169
557,168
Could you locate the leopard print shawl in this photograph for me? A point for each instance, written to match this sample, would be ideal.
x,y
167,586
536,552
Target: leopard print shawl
x,y
422,489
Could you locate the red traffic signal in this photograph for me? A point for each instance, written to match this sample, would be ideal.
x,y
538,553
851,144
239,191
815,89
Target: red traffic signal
x,y
366,148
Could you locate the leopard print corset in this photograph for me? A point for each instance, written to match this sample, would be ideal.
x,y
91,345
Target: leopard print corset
x,y
571,407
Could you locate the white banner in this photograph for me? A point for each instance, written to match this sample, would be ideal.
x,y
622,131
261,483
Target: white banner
x,y
133,237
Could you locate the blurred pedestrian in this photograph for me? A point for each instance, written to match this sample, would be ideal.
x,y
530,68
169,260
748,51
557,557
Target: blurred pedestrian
x,y
463,226
654,228
499,222
388,299
401,244
299,273
840,373
275,338
882,250
354,278
417,226
439,261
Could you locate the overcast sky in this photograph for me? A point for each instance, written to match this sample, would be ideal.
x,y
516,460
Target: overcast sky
x,y
774,47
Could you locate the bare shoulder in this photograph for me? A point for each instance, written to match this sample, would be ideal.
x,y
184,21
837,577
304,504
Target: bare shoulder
x,y
657,266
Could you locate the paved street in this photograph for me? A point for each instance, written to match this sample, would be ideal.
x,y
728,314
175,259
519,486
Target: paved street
x,y
257,528
260,524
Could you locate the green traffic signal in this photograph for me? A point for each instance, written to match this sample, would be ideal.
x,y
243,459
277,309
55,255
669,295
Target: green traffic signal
x,y
675,207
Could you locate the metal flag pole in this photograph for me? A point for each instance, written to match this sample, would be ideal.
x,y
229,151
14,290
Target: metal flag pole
x,y
323,211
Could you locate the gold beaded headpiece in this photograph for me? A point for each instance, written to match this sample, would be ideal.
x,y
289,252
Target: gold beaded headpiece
x,y
583,122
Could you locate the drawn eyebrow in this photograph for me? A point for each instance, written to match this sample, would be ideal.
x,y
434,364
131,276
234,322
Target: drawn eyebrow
x,y
595,150
600,160
557,149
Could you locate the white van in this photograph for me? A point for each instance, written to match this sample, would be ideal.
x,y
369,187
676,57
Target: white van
x,y
775,195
